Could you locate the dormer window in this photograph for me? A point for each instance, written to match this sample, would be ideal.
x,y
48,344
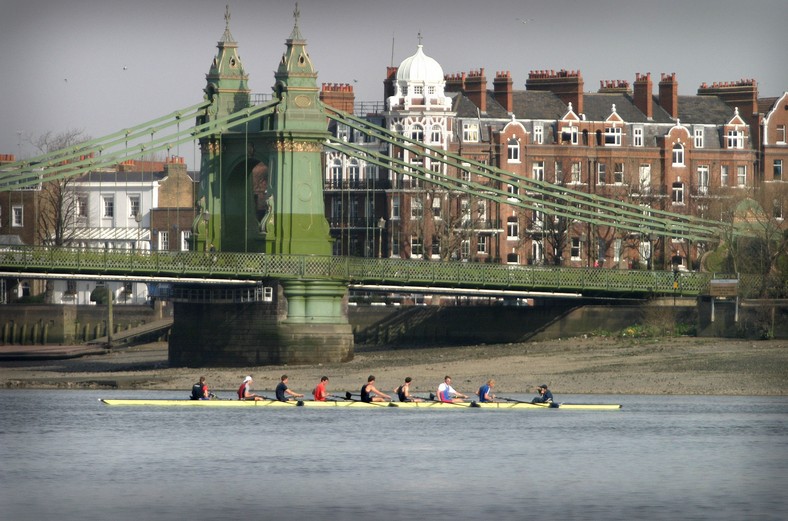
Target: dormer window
x,y
569,135
699,137
613,136
470,132
538,134
735,139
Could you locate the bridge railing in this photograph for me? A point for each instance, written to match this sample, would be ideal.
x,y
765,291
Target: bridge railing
x,y
258,266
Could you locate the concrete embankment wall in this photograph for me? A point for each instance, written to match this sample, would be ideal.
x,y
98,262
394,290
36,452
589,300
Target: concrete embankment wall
x,y
58,324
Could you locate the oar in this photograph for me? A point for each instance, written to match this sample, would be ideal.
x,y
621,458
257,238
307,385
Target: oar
x,y
553,405
349,396
433,399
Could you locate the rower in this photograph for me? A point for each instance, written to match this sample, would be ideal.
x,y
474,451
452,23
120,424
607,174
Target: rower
x,y
446,392
320,392
369,393
403,392
283,392
485,391
245,391
200,390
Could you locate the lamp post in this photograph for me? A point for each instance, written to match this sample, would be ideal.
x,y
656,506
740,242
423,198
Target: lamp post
x,y
381,225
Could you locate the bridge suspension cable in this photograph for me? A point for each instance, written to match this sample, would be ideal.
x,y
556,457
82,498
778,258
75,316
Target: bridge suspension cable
x,y
124,145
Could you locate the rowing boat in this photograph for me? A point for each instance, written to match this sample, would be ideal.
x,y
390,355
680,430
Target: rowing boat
x,y
356,404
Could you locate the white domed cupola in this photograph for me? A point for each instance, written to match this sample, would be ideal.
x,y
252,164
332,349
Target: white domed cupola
x,y
420,82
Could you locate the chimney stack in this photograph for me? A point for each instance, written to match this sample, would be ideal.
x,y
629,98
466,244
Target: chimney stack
x,y
669,94
502,85
338,95
389,84
454,82
643,98
742,94
476,89
567,85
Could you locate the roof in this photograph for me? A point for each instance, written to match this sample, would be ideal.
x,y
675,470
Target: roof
x,y
707,110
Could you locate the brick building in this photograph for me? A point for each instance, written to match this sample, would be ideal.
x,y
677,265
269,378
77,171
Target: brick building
x,y
683,154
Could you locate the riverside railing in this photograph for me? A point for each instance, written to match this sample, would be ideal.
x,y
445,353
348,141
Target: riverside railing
x,y
258,266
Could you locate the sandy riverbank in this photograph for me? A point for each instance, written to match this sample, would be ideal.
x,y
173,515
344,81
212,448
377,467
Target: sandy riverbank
x,y
569,366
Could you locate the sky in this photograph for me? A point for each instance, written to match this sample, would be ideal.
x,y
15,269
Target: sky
x,y
103,65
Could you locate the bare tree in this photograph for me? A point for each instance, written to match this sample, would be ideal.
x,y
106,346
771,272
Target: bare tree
x,y
58,200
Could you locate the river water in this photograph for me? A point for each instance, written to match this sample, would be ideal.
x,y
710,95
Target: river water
x,y
66,456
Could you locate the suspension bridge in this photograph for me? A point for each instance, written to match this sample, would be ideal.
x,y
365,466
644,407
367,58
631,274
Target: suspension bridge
x,y
289,250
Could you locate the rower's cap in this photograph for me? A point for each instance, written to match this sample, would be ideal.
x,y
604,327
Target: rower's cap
x,y
543,386
248,379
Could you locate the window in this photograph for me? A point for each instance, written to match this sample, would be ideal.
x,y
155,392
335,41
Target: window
x,y
699,137
513,151
613,136
482,244
678,155
436,248
618,173
538,218
780,138
677,193
777,170
644,177
436,208
417,133
538,170
703,179
512,228
616,250
470,132
134,205
735,139
576,173
777,206
741,175
435,136
465,174
395,207
336,211
82,206
17,216
724,175
538,134
71,287
465,211
537,252
465,249
416,209
164,241
185,237
601,173
512,258
559,173
637,136
431,89
416,247
418,89
335,171
569,135
575,249
353,172
513,190
394,246
109,206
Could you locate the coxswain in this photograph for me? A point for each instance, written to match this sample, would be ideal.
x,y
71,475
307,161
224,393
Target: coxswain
x,y
545,396
200,390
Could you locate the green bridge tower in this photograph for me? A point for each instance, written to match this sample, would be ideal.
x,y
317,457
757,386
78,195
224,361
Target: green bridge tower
x,y
303,321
